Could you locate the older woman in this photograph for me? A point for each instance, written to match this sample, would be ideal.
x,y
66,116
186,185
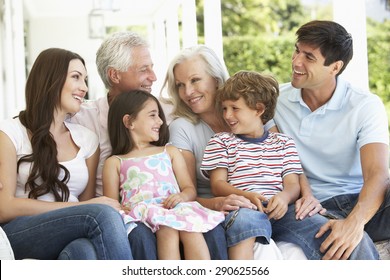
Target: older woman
x,y
192,79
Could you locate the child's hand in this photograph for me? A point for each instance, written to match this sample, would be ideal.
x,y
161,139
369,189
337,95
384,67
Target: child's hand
x,y
173,200
257,199
277,206
125,209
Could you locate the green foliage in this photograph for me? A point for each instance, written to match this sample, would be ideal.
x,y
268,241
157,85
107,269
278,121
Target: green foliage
x,y
259,35
378,44
270,55
254,17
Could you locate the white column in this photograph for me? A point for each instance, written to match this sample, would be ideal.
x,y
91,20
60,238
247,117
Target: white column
x,y
352,15
189,30
172,31
18,55
2,55
213,26
12,62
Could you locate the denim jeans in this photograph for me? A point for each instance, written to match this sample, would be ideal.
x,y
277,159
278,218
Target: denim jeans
x,y
144,244
302,232
378,228
46,236
79,249
245,223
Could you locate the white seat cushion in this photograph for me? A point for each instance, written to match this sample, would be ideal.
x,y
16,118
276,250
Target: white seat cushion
x,y
6,252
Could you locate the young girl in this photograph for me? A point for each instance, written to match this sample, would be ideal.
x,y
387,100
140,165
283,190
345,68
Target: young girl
x,y
142,173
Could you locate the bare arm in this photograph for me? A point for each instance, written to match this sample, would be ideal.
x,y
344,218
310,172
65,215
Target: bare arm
x,y
90,189
187,187
11,206
111,177
278,204
221,203
220,186
346,234
307,204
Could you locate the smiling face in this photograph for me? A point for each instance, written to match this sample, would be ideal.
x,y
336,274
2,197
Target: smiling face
x,y
75,87
242,119
195,86
308,68
140,74
146,126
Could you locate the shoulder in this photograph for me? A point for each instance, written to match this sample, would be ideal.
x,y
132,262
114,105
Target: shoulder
x,y
79,130
11,124
112,163
90,110
224,136
13,128
182,129
223,139
83,136
172,150
279,136
287,88
180,123
112,160
280,139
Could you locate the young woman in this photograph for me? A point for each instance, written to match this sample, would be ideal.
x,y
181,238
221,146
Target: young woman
x,y
48,167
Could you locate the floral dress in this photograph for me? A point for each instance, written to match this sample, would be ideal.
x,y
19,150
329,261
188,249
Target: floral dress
x,y
144,184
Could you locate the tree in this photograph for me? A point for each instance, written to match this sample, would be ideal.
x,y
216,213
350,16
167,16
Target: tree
x,y
255,17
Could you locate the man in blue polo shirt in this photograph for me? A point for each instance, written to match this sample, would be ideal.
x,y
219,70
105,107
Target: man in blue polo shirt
x,y
342,139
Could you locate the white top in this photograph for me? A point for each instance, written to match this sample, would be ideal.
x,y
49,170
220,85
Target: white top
x,y
329,139
85,139
94,115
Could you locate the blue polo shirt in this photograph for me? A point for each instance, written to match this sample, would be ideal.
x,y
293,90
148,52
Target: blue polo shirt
x,y
328,140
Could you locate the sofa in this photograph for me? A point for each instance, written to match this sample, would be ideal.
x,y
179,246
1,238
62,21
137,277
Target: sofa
x,y
6,252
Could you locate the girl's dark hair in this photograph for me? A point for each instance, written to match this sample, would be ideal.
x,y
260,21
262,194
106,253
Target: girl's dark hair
x,y
43,96
131,103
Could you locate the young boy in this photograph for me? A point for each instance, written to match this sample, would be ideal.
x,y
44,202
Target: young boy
x,y
250,161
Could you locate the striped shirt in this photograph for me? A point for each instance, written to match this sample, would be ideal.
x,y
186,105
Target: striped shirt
x,y
253,164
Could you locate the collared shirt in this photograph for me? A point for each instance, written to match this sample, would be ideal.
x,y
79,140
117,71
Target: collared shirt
x,y
329,139
94,115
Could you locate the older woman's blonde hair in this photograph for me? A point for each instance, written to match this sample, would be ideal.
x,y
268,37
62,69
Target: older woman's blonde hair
x,y
215,67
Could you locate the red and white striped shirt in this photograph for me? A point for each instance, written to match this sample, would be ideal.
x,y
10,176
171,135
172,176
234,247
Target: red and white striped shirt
x,y
253,164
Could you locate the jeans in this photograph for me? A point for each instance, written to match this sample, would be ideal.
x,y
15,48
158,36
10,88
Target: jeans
x,y
79,249
143,243
59,233
302,232
378,228
245,223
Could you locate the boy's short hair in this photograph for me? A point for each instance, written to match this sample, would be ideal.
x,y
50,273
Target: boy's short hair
x,y
254,88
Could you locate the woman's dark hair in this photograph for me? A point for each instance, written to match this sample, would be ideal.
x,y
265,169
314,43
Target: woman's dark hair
x,y
131,103
43,96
